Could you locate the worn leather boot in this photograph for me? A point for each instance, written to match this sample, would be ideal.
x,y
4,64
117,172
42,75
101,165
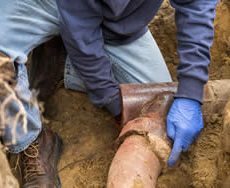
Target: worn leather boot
x,y
46,69
38,163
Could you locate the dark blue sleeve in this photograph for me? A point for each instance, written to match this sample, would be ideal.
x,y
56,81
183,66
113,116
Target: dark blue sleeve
x,y
194,20
82,36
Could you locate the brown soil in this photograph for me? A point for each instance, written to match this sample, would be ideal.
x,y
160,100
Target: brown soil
x,y
6,177
163,29
89,133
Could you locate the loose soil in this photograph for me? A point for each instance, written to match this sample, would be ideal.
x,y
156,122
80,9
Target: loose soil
x,y
6,177
89,133
163,29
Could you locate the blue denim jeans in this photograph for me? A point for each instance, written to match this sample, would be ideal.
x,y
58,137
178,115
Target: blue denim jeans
x,y
27,23
137,62
34,126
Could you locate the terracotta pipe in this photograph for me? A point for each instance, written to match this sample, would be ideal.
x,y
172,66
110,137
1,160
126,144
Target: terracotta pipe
x,y
143,144
133,154
134,96
144,147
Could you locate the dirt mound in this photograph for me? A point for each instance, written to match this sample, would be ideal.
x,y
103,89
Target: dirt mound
x,y
163,29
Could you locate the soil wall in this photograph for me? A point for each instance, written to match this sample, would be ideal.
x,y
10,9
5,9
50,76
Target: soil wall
x,y
163,29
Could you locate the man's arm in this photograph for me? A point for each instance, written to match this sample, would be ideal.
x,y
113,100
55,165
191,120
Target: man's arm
x,y
194,20
82,35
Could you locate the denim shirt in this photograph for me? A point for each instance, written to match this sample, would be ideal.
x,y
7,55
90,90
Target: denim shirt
x,y
86,25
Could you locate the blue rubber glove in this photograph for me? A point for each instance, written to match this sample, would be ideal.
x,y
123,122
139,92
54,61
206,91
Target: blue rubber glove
x,y
184,123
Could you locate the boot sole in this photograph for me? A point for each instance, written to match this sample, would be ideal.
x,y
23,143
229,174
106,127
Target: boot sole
x,y
58,150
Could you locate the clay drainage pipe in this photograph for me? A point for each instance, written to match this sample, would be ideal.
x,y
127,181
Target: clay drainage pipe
x,y
143,145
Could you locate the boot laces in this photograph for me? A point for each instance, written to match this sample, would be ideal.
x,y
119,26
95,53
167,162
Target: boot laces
x,y
31,162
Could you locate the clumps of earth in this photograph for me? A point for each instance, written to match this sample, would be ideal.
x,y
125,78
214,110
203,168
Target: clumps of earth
x,y
89,133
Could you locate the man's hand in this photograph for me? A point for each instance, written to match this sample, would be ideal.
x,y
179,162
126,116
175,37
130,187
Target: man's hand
x,y
184,123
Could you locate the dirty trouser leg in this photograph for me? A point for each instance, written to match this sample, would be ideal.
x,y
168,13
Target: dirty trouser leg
x,y
34,126
24,25
138,62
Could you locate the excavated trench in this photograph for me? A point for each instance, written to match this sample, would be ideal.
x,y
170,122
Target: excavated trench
x,y
89,133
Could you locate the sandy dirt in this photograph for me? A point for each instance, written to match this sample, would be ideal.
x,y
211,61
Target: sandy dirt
x,y
6,177
89,133
163,29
